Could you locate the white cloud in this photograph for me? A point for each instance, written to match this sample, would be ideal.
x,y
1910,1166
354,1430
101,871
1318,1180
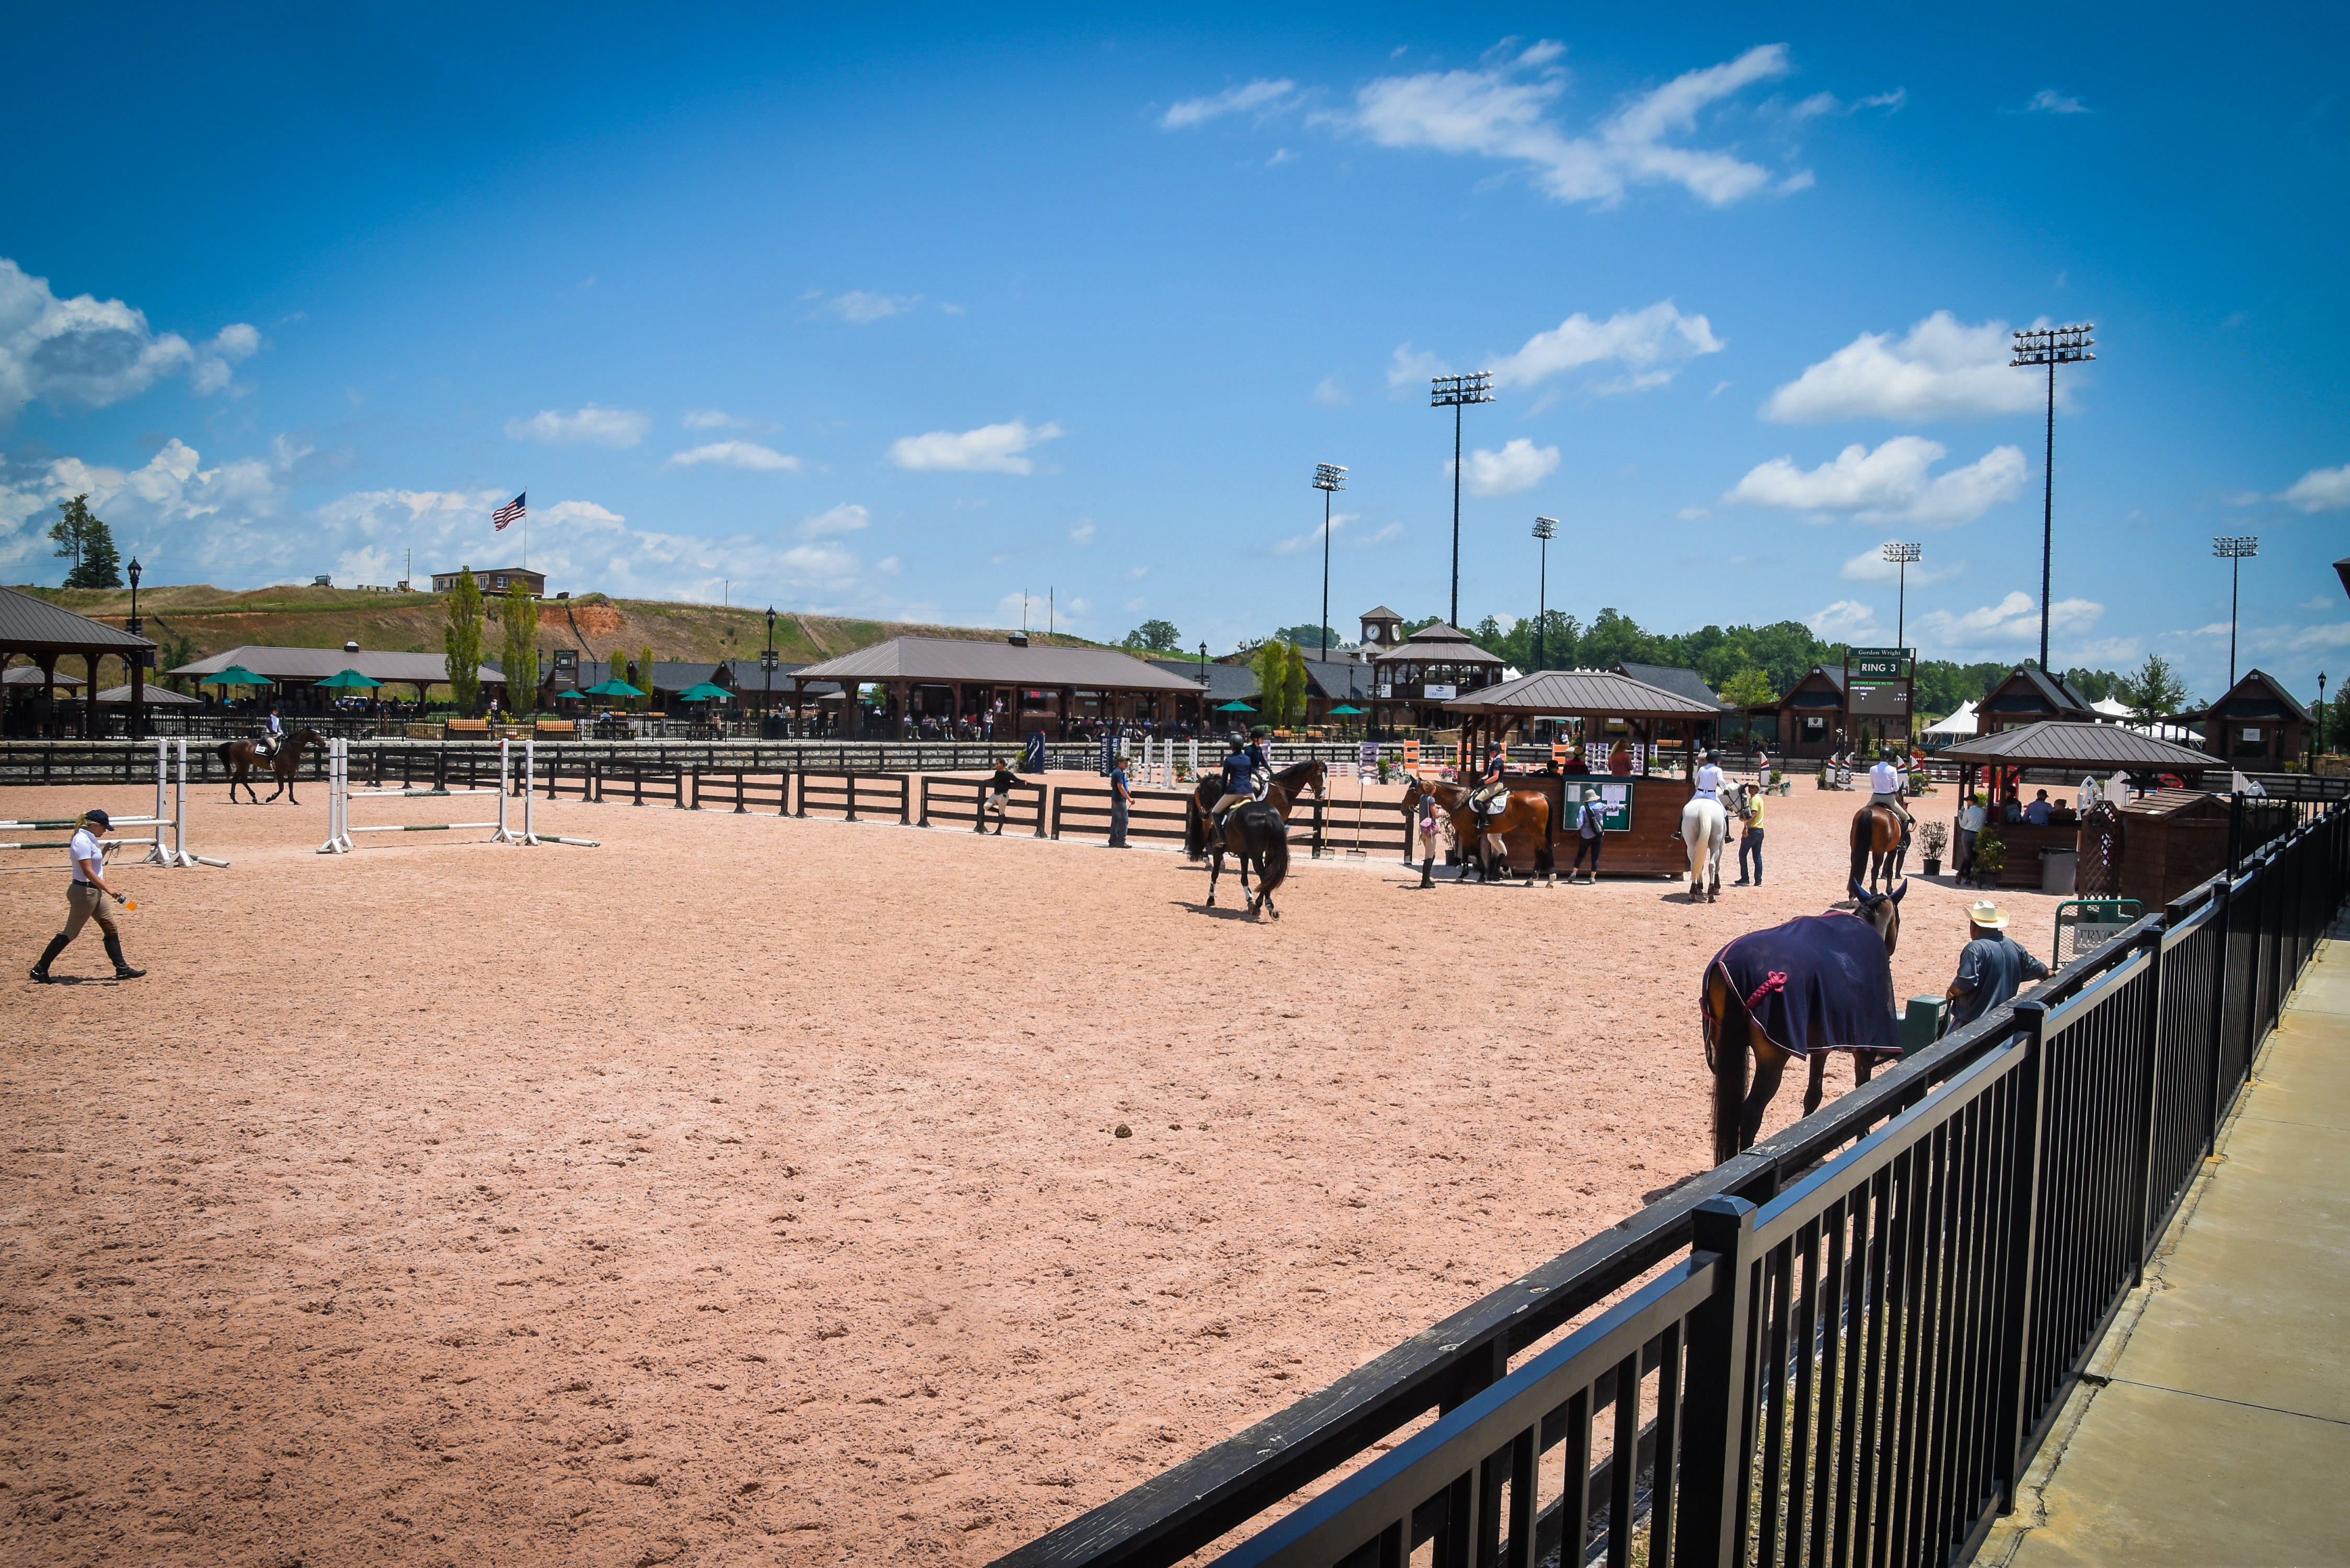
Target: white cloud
x,y
1329,393
1231,100
1083,534
1826,103
178,517
2014,622
1414,367
1846,620
1871,567
708,419
1386,536
888,566
735,455
1888,485
2048,100
1312,538
1500,113
1520,465
990,449
1652,344
860,308
846,518
1942,370
94,352
2321,490
589,426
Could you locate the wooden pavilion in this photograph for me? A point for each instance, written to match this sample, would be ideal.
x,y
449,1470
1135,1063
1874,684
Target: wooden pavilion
x,y
1416,680
1024,688
2030,695
2072,750
32,627
1603,710
2258,724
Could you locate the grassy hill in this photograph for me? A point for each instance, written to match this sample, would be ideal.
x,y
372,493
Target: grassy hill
x,y
285,615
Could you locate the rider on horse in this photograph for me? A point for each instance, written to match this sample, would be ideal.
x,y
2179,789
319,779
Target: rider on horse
x,y
1708,777
1489,782
272,733
1247,772
1885,784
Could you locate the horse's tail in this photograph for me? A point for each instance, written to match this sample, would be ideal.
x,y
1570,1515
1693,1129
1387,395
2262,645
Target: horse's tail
x,y
1272,861
1195,829
222,752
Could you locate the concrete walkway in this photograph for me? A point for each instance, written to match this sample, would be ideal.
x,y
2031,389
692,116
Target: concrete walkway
x,y
2214,1427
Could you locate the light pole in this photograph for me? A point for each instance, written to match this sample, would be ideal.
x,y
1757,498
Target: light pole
x,y
1901,556
767,662
1457,393
1545,529
2318,744
1328,478
2052,347
2233,549
138,627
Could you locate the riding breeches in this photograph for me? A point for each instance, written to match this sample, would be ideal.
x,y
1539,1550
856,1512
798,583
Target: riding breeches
x,y
85,903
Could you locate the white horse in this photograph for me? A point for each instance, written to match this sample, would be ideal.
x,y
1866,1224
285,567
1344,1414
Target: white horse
x,y
1705,828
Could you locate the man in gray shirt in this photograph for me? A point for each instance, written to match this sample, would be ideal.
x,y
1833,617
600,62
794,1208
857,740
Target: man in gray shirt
x,y
1992,968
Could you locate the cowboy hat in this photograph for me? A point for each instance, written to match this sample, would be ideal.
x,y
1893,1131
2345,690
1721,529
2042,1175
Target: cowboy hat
x,y
1988,915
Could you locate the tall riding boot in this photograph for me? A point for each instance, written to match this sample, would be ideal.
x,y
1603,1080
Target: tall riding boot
x,y
122,969
41,969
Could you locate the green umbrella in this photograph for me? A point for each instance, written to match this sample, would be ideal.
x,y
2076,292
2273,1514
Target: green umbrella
x,y
570,692
236,675
349,677
1236,708
612,688
705,692
1343,708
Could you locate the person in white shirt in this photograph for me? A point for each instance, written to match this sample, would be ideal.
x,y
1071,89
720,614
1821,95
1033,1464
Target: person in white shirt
x,y
86,898
1972,817
1885,789
1708,777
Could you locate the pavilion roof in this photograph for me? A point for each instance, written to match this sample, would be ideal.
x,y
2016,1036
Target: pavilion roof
x,y
2071,743
30,624
942,659
1582,691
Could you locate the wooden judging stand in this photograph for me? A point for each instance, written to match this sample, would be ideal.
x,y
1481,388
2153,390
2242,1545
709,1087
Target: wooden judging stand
x,y
1651,846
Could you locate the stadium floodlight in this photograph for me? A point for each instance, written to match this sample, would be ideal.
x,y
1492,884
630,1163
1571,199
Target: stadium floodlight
x,y
1457,393
2234,549
2052,347
1545,529
1328,478
1901,555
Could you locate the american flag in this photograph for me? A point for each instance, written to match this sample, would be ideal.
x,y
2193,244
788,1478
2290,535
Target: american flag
x,y
509,511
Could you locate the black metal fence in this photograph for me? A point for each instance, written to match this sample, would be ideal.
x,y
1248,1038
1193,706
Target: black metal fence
x,y
1840,1363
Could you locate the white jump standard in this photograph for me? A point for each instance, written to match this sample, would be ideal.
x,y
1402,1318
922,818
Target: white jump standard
x,y
159,853
339,796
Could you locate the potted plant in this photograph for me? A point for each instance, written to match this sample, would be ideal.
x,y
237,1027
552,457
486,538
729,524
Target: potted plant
x,y
1933,839
1991,856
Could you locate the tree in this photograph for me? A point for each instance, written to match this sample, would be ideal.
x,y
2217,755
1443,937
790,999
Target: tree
x,y
1295,684
1308,635
88,543
1280,669
519,621
645,674
1749,687
2155,692
619,665
174,651
462,641
1153,637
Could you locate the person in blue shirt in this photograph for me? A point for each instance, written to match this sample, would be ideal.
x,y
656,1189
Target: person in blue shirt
x,y
1489,783
273,732
1991,966
1239,779
1120,796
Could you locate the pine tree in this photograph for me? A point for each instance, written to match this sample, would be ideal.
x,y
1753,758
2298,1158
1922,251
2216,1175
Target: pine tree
x,y
520,623
462,641
1294,686
88,543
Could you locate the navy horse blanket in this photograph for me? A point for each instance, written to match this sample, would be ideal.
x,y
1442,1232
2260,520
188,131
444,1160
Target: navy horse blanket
x,y
1820,982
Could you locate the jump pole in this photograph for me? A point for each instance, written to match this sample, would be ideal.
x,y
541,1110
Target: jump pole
x,y
339,794
157,853
530,802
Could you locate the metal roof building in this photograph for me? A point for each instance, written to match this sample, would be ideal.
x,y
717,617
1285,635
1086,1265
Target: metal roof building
x,y
44,632
1026,686
307,666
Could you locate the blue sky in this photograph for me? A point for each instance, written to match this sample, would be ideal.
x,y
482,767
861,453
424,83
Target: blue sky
x,y
908,314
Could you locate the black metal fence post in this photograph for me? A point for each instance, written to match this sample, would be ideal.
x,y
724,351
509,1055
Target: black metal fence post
x,y
2014,1366
1713,1449
2150,1096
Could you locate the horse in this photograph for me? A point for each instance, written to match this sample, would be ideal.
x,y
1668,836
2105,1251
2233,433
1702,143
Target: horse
x,y
1257,836
241,757
1281,795
1522,811
1705,828
1837,979
1880,841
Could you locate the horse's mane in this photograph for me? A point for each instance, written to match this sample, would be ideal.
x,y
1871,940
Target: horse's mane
x,y
1288,777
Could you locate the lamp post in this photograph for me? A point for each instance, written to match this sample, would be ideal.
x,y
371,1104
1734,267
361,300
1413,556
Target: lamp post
x,y
2317,744
2233,549
768,672
1457,393
1545,529
1328,478
1901,556
136,628
2052,347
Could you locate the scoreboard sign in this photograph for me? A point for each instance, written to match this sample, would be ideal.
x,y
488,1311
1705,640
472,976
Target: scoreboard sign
x,y
1877,664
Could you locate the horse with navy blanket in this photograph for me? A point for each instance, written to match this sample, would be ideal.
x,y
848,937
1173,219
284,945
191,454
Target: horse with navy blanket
x,y
1817,983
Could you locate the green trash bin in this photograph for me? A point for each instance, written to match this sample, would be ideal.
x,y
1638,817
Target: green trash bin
x,y
1921,1024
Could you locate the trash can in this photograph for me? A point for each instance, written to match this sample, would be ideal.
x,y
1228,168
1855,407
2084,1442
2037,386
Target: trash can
x,y
1921,1024
2058,867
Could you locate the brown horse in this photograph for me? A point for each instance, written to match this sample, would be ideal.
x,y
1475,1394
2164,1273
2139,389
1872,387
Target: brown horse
x,y
1524,812
1879,844
1257,836
1733,1033
241,757
1282,794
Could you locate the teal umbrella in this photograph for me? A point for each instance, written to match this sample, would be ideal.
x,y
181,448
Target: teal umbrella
x,y
1343,708
349,677
612,688
1236,708
570,693
236,675
705,692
